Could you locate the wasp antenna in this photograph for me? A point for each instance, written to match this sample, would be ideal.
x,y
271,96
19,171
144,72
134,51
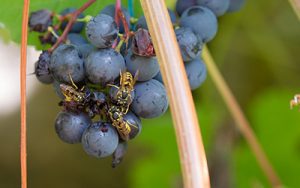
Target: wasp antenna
x,y
136,75
74,85
111,85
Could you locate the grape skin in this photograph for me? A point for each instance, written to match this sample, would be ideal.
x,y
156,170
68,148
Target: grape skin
x,y
77,26
219,7
150,99
147,66
100,139
70,126
102,31
110,11
196,73
201,20
190,44
103,66
67,61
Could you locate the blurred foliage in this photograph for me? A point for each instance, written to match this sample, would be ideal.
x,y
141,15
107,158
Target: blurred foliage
x,y
257,50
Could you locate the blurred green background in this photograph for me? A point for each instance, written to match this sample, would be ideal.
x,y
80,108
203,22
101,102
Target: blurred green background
x,y
257,50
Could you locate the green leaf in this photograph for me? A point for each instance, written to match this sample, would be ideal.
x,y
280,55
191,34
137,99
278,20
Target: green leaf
x,y
277,128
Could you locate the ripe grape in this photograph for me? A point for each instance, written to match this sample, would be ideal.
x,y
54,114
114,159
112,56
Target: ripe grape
x,y
85,49
76,39
119,154
190,44
102,31
201,20
134,123
100,139
235,5
147,66
150,99
77,26
159,78
182,5
66,61
141,23
110,10
196,72
103,66
219,7
70,126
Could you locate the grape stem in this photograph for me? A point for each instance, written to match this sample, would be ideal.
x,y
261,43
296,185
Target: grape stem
x,y
296,7
23,135
72,20
240,119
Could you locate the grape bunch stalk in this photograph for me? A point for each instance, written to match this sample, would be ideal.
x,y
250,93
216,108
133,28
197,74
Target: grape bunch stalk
x,y
110,73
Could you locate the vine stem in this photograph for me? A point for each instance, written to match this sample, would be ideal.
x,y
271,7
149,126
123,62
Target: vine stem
x,y
296,7
23,136
240,119
191,150
73,19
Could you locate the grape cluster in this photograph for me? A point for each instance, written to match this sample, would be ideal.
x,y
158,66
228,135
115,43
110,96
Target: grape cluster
x,y
107,76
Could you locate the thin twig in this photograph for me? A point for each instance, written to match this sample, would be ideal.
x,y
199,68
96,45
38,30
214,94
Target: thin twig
x,y
72,20
240,119
190,146
23,139
296,7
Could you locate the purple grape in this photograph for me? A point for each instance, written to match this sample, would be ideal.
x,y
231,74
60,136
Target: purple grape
x,y
103,66
150,99
102,31
70,126
119,154
182,5
196,73
190,44
100,139
201,20
110,10
219,7
147,67
77,26
66,61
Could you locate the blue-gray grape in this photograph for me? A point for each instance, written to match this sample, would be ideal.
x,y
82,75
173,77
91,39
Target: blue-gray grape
x,y
134,123
76,39
235,5
196,73
118,155
147,67
100,139
102,31
219,7
103,66
201,20
70,126
67,61
141,23
57,89
190,44
85,49
110,10
182,5
150,99
158,77
77,26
